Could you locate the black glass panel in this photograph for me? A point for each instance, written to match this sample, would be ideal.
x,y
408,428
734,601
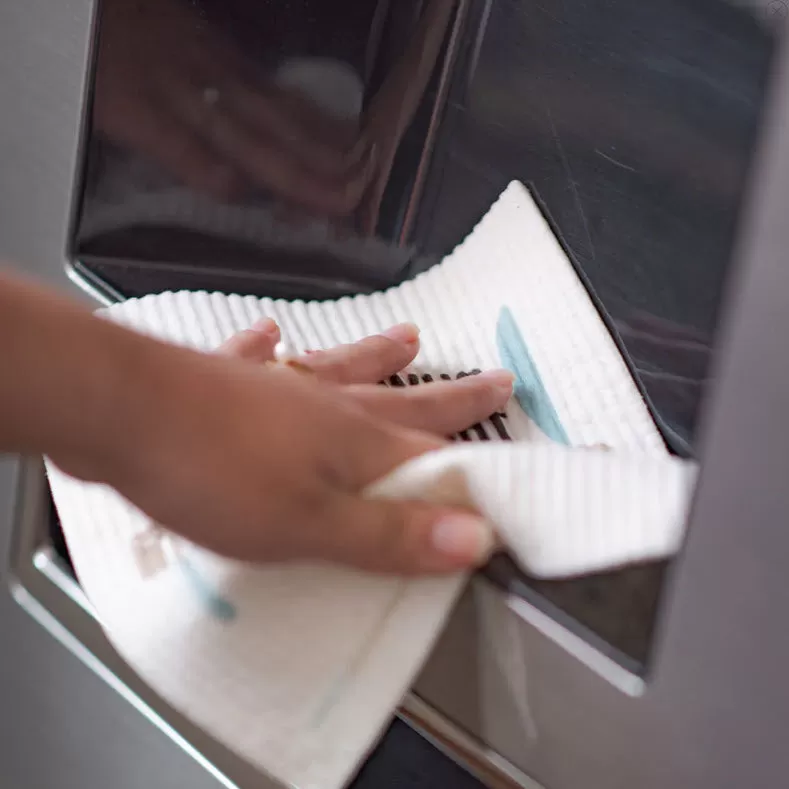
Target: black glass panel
x,y
314,148
634,124
270,147
304,148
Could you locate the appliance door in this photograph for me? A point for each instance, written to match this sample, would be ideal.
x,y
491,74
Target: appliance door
x,y
67,718
60,723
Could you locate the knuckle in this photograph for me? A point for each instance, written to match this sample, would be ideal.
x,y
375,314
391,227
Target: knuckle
x,y
300,531
390,547
332,364
453,406
432,407
341,364
479,399
237,345
381,356
404,542
474,397
367,361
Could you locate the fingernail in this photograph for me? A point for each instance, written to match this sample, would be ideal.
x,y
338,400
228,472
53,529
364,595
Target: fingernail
x,y
501,379
267,326
406,333
463,538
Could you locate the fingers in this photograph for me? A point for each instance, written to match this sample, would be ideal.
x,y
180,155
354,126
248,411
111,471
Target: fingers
x,y
313,142
368,361
264,162
257,344
263,159
172,145
439,408
406,538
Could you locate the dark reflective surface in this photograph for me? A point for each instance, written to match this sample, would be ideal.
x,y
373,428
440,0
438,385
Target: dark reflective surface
x,y
634,124
313,148
261,146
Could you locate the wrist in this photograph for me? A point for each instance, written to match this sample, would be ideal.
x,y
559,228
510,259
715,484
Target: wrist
x,y
80,389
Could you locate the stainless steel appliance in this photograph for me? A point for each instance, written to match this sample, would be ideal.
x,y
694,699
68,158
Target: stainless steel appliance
x,y
636,127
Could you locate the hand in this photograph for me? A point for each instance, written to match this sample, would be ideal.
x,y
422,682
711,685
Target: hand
x,y
264,463
253,461
186,98
440,408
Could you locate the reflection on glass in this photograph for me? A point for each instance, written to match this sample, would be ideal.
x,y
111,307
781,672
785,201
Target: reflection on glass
x,y
317,148
298,108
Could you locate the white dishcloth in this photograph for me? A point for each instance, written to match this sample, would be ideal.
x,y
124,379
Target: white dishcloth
x,y
298,669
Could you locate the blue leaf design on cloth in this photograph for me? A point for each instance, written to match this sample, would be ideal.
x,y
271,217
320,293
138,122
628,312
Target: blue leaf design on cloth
x,y
529,389
218,606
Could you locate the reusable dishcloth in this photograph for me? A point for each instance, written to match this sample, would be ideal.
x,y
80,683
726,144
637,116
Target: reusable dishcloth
x,y
298,669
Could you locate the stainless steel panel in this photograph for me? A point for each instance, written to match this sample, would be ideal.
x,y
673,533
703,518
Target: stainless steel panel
x,y
60,725
715,704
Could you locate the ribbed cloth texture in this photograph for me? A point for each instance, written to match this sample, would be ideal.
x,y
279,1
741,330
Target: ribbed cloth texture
x,y
304,677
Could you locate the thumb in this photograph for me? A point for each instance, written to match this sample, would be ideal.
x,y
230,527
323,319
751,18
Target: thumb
x,y
406,537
